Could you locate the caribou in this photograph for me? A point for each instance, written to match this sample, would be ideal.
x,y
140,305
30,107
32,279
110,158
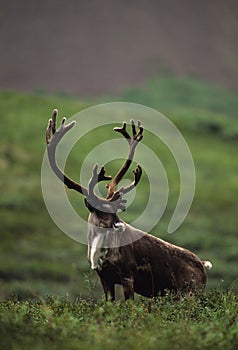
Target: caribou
x,y
119,253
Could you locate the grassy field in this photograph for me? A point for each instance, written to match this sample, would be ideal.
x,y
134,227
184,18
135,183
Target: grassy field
x,y
37,259
200,322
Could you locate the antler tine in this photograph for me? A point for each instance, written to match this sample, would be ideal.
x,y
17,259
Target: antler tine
x,y
133,127
96,178
101,175
51,128
53,136
48,131
54,117
133,141
123,131
139,135
137,175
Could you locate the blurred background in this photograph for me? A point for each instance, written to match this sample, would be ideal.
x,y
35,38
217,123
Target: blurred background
x,y
95,47
179,57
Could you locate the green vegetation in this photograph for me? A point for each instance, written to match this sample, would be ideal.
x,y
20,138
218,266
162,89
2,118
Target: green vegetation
x,y
37,259
199,322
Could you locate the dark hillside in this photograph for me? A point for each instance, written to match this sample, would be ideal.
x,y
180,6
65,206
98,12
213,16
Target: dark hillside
x,y
102,47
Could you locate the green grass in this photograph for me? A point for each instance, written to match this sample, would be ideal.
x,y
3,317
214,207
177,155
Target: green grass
x,y
36,258
206,321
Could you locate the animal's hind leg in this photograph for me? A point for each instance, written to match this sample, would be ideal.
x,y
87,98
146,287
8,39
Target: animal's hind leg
x,y
109,290
128,287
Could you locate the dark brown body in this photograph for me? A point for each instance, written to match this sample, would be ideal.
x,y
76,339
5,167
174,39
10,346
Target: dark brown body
x,y
149,266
